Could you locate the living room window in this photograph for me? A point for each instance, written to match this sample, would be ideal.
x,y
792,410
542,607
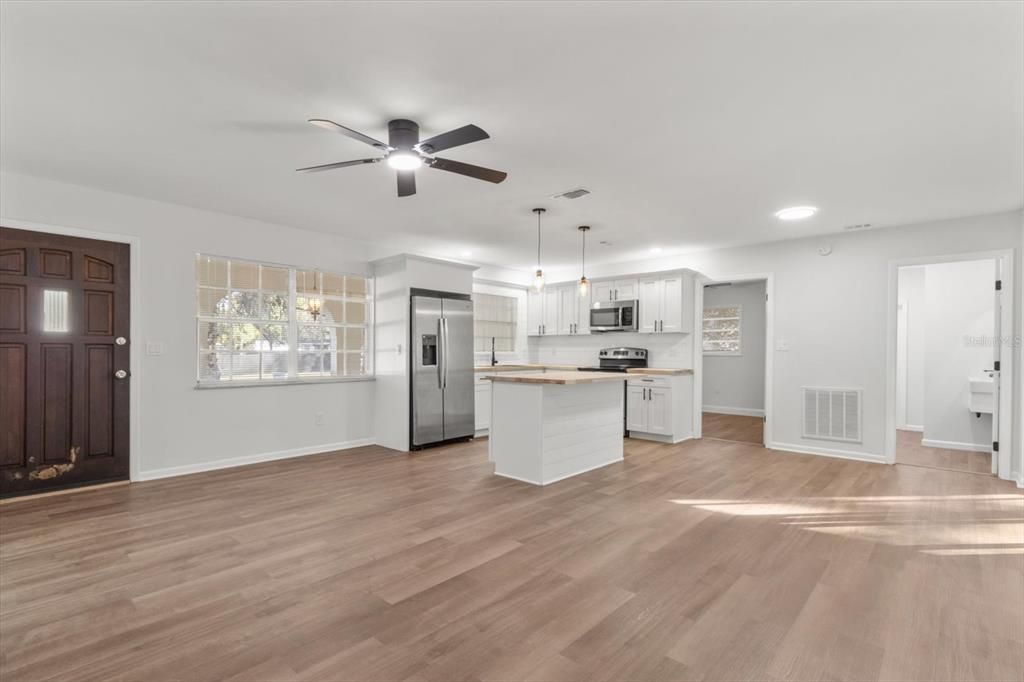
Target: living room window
x,y
261,323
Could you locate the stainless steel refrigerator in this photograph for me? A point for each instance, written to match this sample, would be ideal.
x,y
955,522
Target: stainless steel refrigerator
x,y
442,368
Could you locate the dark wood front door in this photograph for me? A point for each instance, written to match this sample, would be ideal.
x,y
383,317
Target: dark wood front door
x,y
63,361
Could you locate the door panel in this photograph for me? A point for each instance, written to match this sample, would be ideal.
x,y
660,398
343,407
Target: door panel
x,y
650,305
459,391
604,291
63,302
428,403
625,289
567,296
583,312
534,312
550,311
636,408
671,305
659,411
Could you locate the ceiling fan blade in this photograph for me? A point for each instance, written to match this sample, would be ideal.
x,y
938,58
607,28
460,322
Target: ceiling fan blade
x,y
340,164
478,172
406,183
453,138
347,132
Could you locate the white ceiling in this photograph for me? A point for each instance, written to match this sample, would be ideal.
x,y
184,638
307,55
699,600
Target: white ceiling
x,y
691,123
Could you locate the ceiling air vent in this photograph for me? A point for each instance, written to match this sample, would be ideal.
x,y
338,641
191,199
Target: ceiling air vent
x,y
572,194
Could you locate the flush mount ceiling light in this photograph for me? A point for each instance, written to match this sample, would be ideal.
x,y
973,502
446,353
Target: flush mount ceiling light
x,y
538,278
796,213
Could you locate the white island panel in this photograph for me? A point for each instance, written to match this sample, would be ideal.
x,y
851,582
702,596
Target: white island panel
x,y
543,432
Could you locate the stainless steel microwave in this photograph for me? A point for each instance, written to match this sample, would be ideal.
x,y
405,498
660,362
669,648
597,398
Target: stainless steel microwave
x,y
614,316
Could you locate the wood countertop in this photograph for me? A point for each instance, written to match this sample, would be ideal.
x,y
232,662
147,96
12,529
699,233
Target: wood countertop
x,y
564,377
651,371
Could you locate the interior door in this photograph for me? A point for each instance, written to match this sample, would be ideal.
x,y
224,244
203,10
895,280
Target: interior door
x,y
64,382
427,403
459,390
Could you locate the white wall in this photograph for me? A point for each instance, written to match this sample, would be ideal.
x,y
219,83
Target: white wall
x,y
959,303
831,311
181,428
735,383
910,355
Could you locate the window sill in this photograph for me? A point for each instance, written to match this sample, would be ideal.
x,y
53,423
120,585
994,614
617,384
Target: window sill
x,y
289,382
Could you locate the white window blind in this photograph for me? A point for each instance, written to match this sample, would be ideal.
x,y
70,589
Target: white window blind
x,y
494,317
262,322
722,330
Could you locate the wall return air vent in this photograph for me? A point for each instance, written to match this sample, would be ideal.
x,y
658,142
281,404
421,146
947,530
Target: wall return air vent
x,y
832,414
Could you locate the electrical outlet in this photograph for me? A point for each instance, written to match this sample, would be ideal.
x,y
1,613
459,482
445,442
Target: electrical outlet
x,y
154,348
318,419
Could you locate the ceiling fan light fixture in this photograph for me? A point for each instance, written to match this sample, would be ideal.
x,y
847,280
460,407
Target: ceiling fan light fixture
x,y
796,213
404,160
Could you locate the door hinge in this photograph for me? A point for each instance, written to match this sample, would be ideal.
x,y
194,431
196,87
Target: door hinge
x,y
765,419
999,285
995,446
995,366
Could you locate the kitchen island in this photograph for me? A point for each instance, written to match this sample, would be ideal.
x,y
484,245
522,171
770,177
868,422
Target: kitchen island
x,y
546,426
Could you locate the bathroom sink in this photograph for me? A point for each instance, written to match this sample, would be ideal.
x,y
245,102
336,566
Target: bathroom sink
x,y
981,398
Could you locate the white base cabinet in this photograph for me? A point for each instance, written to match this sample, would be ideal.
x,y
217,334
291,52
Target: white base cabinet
x,y
660,408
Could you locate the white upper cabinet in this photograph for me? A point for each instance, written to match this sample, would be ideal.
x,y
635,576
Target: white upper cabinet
x,y
666,304
534,313
614,290
550,325
573,310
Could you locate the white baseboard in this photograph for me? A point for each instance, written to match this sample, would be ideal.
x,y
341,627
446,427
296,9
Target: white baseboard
x,y
911,427
953,445
828,452
739,411
230,462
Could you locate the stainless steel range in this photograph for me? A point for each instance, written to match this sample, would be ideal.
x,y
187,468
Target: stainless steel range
x,y
619,359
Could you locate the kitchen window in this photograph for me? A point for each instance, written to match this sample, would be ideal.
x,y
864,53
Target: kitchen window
x,y
260,323
494,317
721,332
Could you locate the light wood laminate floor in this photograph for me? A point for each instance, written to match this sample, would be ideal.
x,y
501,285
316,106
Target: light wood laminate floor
x,y
909,450
700,561
733,427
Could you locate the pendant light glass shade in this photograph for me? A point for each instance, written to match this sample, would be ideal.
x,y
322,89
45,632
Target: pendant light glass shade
x,y
538,278
584,282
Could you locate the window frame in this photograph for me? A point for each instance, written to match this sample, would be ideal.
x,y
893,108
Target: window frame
x,y
292,325
514,306
739,331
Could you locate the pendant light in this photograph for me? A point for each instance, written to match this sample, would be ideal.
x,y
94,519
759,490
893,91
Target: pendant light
x,y
538,278
584,282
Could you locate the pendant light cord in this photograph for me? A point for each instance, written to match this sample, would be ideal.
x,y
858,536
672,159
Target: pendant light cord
x,y
583,258
538,240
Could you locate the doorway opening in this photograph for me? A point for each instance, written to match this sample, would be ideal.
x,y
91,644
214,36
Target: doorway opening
x,y
734,345
948,361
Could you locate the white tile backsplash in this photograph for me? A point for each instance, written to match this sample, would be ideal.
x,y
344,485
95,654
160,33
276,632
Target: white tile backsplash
x,y
664,350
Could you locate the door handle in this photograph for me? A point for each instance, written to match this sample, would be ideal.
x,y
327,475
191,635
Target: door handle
x,y
120,374
444,322
440,351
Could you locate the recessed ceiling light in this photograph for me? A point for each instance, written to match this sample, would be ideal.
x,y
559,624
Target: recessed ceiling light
x,y
467,254
656,249
796,213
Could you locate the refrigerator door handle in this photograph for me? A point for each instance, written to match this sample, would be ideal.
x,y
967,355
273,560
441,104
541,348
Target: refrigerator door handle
x,y
440,352
444,326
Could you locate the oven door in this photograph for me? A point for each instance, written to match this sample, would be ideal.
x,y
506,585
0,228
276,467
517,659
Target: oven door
x,y
606,316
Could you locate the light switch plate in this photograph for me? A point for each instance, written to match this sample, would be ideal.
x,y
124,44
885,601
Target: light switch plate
x,y
782,345
154,348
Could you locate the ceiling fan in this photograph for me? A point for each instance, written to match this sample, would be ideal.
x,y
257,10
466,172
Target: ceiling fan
x,y
405,152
